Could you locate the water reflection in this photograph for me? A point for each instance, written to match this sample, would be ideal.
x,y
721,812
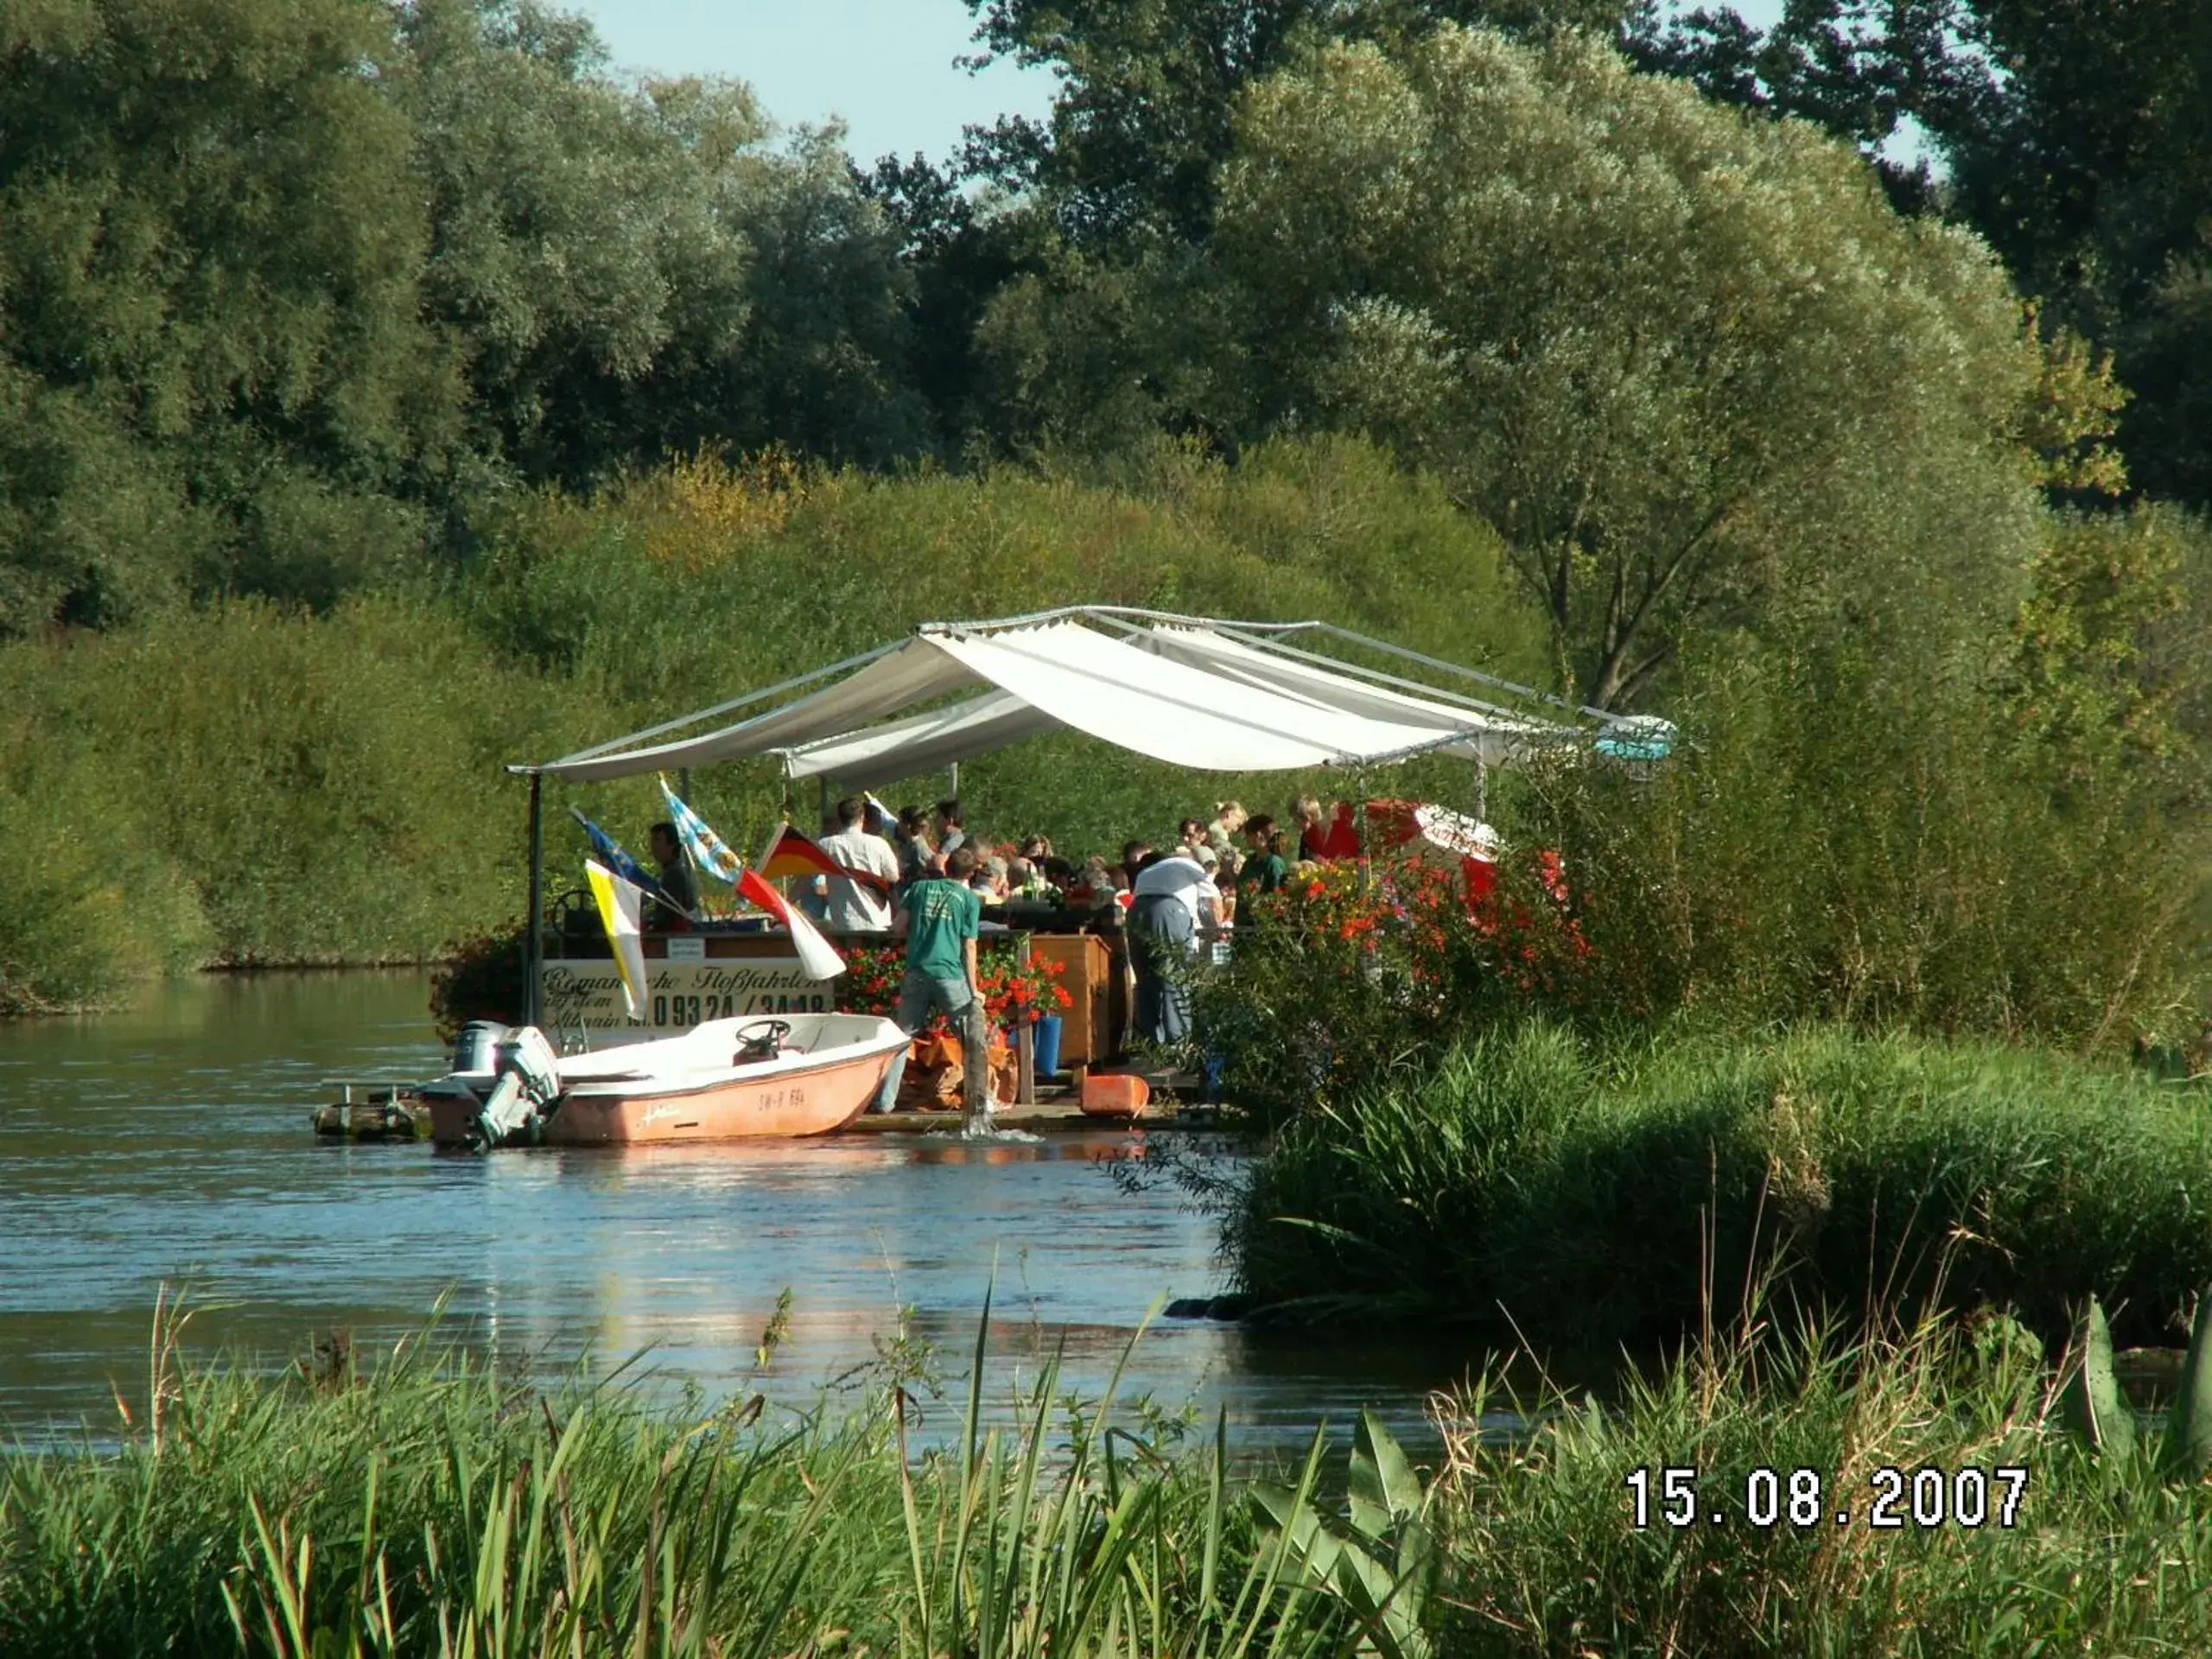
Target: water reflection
x,y
172,1141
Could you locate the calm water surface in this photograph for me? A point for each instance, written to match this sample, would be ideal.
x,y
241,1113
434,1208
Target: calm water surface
x,y
172,1143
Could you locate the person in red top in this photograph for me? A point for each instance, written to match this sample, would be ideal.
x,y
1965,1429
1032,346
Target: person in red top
x,y
1341,839
1326,843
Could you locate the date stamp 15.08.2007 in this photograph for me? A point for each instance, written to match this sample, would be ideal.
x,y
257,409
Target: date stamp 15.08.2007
x,y
1888,1499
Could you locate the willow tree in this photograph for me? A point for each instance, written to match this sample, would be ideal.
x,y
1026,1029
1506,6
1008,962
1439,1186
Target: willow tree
x,y
1689,364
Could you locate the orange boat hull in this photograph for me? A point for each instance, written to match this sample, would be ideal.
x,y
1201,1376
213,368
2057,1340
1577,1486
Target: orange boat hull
x,y
819,1101
702,1086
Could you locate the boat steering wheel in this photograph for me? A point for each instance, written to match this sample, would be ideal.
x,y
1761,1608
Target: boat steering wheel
x,y
761,1041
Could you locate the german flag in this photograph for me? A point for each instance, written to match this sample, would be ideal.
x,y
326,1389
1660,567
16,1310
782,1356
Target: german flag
x,y
793,854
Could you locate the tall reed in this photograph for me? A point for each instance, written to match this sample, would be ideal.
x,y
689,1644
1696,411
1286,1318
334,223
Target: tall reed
x,y
426,1507
1546,1554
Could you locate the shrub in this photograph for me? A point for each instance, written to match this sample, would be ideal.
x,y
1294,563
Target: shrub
x,y
1614,1195
700,584
2004,835
1349,974
483,978
328,787
93,907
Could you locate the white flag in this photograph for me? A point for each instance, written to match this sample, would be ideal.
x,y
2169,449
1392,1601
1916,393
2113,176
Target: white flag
x,y
815,954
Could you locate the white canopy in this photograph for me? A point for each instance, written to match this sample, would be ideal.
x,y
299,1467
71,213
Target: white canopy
x,y
1213,697
1493,735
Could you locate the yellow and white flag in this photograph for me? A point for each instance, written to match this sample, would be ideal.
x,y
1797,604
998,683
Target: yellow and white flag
x,y
620,907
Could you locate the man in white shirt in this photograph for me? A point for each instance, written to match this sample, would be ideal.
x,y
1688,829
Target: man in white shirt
x,y
857,906
1172,899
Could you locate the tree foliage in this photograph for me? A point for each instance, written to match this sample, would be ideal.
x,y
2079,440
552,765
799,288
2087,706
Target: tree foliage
x,y
1682,363
1146,111
209,333
289,291
2076,137
1450,314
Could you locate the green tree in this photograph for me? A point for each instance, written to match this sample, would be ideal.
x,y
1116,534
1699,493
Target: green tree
x,y
828,364
635,270
1693,368
1146,113
574,244
209,242
2075,136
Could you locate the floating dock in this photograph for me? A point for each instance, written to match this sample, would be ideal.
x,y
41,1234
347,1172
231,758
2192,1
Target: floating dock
x,y
374,1109
386,1108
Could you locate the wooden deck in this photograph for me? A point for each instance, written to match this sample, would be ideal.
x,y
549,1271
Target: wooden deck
x,y
1044,1118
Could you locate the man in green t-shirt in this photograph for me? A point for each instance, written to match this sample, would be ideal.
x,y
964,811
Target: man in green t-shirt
x,y
941,917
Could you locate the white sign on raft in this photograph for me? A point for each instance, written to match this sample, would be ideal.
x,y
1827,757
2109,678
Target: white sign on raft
x,y
679,995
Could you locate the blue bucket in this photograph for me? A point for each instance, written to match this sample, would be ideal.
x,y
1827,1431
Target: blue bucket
x,y
1048,1039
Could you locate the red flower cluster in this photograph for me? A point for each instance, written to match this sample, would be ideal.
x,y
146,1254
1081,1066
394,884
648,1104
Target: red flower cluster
x,y
1518,935
1011,992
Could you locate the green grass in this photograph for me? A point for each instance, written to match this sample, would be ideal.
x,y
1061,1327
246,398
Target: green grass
x,y
1594,1196
1545,1557
423,1506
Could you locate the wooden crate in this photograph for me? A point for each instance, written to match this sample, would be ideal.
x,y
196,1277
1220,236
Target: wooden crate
x,y
1090,972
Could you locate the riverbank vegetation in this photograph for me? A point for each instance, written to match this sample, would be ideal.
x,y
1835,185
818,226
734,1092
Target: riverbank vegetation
x,y
419,1504
1589,1195
435,397
249,783
1545,1556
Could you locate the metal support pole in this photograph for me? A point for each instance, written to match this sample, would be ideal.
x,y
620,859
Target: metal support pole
x,y
1360,826
954,790
1025,1039
533,948
1482,793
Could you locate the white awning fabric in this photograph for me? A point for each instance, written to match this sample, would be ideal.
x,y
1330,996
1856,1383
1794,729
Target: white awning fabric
x,y
1153,705
930,742
1185,695
915,672
1491,737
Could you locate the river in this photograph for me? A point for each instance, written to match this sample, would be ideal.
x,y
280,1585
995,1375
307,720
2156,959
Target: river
x,y
171,1143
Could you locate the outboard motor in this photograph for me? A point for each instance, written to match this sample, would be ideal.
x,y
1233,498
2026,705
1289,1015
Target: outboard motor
x,y
477,1049
529,1081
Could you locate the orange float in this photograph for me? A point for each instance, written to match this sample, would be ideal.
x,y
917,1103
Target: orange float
x,y
1119,1094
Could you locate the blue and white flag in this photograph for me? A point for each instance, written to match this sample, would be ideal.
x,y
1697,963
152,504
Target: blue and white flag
x,y
708,850
611,853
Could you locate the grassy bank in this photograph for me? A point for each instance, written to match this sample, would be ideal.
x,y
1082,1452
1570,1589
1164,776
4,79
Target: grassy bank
x,y
425,1508
1546,1558
1598,1196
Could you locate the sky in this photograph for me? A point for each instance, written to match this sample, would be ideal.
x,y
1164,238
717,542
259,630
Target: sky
x,y
885,67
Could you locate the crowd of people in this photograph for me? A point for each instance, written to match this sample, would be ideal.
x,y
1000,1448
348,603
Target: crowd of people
x,y
921,876
1175,899
1211,864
